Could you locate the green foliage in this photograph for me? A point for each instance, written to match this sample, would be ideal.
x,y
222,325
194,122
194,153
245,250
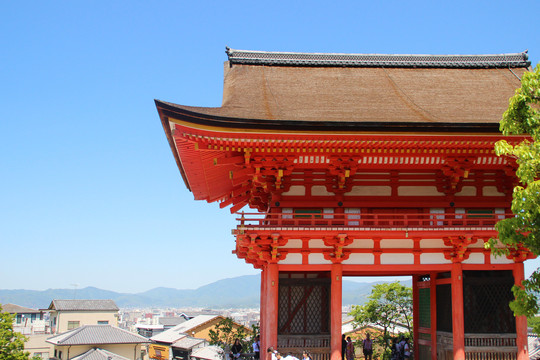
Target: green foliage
x,y
225,332
11,343
523,118
534,322
389,304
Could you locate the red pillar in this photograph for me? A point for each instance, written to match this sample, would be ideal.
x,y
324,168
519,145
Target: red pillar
x,y
335,311
416,313
262,322
433,313
271,305
458,322
521,321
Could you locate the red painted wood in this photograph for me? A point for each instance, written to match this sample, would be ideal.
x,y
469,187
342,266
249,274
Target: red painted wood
x,y
335,311
271,310
262,320
433,313
416,308
458,321
521,321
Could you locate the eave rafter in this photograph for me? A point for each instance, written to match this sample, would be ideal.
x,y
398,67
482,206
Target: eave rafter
x,y
259,165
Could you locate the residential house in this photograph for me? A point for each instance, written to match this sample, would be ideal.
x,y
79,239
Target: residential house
x,y
27,321
198,327
148,331
75,343
183,339
169,322
70,314
180,349
34,325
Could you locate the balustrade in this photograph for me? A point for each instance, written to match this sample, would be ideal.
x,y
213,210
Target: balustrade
x,y
370,220
479,346
318,346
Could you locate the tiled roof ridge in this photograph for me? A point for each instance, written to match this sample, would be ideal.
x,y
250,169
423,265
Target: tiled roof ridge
x,y
249,57
83,305
68,335
14,308
101,353
65,337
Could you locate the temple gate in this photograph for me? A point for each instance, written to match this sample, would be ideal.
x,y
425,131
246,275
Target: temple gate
x,y
364,165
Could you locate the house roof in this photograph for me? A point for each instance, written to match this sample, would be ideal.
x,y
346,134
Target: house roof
x,y
180,330
96,335
98,354
468,92
208,352
171,321
187,342
83,305
17,309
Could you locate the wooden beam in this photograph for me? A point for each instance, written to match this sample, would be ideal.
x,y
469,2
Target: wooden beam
x,y
235,160
238,206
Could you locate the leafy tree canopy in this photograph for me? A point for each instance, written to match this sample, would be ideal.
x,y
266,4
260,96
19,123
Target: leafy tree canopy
x,y
389,305
523,118
226,331
11,343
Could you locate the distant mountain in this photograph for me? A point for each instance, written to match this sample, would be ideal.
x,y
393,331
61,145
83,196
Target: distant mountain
x,y
238,292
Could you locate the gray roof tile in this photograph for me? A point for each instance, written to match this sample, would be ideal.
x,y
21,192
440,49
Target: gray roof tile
x,y
99,354
83,305
248,57
187,343
180,331
97,335
16,309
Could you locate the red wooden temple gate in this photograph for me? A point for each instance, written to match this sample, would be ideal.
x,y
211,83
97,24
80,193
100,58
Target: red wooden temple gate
x,y
364,165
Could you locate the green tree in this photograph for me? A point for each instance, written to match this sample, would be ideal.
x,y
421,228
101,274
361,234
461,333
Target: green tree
x,y
225,332
522,118
389,305
11,343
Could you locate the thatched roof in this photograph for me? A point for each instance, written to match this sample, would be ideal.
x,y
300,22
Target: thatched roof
x,y
300,90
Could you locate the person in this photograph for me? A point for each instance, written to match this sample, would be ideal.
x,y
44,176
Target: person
x,y
394,353
290,357
400,346
271,353
343,346
406,349
350,349
256,348
236,350
367,347
305,354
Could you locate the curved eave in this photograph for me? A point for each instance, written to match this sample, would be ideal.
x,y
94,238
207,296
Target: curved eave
x,y
168,133
234,124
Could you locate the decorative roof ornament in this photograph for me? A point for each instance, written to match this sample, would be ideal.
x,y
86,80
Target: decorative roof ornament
x,y
248,57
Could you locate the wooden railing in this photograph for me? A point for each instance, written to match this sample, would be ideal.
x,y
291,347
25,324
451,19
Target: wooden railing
x,y
425,220
318,346
479,346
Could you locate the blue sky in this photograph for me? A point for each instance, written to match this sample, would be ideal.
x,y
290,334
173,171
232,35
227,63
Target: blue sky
x,y
90,191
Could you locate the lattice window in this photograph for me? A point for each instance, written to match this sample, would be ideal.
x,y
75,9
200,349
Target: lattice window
x,y
486,295
444,308
303,306
424,313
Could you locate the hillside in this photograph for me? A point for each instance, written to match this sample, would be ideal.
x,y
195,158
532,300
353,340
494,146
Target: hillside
x,y
238,292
